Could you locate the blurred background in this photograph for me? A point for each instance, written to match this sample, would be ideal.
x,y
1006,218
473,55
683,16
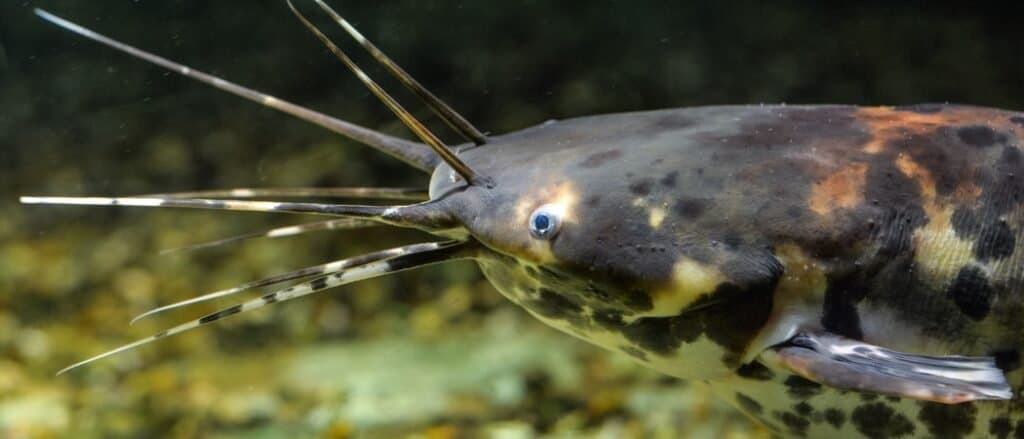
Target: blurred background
x,y
434,353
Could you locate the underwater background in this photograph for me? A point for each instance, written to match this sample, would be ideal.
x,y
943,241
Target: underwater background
x,y
434,353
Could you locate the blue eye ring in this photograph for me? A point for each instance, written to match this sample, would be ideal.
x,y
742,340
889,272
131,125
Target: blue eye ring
x,y
544,222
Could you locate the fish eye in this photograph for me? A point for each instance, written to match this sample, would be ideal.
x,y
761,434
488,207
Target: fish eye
x,y
544,222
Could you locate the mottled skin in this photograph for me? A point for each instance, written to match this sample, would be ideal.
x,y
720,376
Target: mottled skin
x,y
695,239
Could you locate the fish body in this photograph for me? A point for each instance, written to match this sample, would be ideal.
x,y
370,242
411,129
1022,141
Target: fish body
x,y
831,270
696,238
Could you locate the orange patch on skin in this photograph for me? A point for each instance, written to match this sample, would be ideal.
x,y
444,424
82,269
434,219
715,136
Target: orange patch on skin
x,y
924,179
842,189
965,192
888,123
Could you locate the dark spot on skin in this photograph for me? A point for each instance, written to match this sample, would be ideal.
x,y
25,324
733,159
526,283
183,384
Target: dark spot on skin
x,y
556,306
687,330
993,238
1002,183
835,418
794,422
995,242
690,208
755,371
220,314
801,388
596,293
608,319
841,317
977,135
669,180
653,334
318,284
1017,120
638,300
803,409
971,292
597,159
732,315
1000,428
839,314
634,352
553,274
1007,360
934,313
879,421
948,421
965,223
642,187
748,404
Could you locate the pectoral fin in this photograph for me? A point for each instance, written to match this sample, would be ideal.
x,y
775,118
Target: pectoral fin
x,y
848,364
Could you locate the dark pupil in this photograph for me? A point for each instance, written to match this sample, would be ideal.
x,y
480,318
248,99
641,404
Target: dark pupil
x,y
541,222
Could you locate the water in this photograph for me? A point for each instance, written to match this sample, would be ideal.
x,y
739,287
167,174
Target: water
x,y
435,352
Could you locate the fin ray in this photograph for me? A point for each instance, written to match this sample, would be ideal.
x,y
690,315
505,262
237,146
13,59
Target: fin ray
x,y
853,365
